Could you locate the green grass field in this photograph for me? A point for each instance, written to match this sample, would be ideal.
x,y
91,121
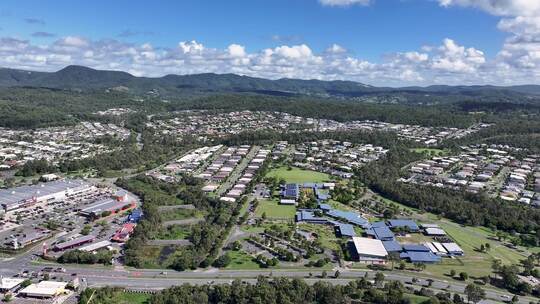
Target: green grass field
x,y
174,232
297,175
244,208
415,299
181,214
274,210
325,233
131,298
241,260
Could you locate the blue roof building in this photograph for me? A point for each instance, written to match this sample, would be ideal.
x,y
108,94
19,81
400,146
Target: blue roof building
x,y
381,233
309,217
415,248
135,216
420,257
290,191
378,224
325,207
406,224
392,246
344,230
351,217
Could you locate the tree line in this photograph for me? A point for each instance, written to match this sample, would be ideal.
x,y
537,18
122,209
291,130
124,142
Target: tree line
x,y
288,291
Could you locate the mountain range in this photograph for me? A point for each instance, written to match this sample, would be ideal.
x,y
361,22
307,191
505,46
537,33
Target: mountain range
x,y
83,78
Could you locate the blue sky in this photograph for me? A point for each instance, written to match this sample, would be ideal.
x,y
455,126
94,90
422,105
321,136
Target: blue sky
x,y
375,34
386,26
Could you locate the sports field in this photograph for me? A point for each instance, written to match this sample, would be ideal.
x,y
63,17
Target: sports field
x,y
297,175
274,210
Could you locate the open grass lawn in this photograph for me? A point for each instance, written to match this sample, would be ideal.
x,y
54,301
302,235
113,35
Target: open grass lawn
x,y
297,175
244,208
150,256
267,224
181,214
339,206
415,299
241,260
325,233
475,263
174,232
130,298
274,210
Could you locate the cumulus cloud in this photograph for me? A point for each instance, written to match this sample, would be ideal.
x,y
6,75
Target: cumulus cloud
x,y
236,50
519,18
499,7
191,47
455,58
344,2
448,63
336,49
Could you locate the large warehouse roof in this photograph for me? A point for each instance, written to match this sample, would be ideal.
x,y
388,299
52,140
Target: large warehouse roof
x,y
106,204
22,193
369,247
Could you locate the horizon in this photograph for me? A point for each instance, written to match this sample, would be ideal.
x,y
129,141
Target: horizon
x,y
374,42
284,78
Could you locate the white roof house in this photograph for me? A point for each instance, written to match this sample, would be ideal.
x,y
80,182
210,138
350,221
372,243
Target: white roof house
x,y
369,249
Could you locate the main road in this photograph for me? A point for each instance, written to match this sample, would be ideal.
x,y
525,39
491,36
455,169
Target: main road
x,y
156,279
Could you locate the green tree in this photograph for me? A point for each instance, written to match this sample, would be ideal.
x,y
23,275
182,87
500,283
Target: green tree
x,y
379,278
474,293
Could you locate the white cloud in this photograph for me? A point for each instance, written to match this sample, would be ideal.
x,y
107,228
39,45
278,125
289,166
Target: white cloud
x,y
73,41
236,50
191,47
336,49
499,7
294,52
520,18
344,2
455,58
416,56
447,63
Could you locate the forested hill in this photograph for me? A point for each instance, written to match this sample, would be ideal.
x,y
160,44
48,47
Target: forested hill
x,y
84,78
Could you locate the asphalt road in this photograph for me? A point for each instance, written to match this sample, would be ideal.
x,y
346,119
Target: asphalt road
x,y
156,279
